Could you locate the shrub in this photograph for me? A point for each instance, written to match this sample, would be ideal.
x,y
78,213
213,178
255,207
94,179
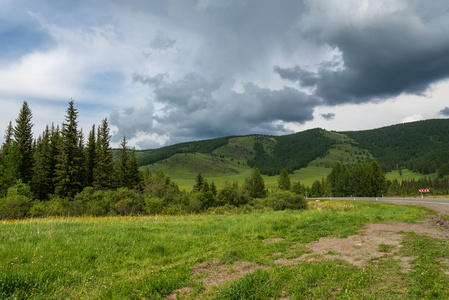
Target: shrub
x,y
15,207
53,207
154,205
286,200
231,194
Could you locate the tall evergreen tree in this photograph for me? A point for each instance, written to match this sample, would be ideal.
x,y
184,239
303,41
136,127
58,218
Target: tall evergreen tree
x,y
42,180
91,157
199,183
23,135
7,143
378,179
122,164
69,164
284,181
134,176
255,185
104,169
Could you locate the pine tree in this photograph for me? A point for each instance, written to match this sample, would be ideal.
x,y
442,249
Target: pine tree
x,y
69,164
199,183
134,176
7,143
91,157
104,170
284,181
23,135
255,185
122,164
42,181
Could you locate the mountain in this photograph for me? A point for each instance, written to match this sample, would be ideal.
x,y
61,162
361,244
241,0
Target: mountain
x,y
421,146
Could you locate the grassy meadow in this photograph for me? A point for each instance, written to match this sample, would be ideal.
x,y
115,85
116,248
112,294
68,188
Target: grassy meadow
x,y
151,257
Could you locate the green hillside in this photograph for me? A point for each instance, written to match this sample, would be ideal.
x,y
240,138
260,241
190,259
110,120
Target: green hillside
x,y
419,148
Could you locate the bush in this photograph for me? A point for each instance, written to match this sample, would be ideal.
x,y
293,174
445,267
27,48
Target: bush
x,y
154,205
15,207
286,200
231,194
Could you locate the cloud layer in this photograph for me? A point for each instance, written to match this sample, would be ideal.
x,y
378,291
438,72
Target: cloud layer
x,y
172,71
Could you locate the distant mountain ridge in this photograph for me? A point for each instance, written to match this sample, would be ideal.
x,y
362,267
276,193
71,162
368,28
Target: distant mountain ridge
x,y
421,146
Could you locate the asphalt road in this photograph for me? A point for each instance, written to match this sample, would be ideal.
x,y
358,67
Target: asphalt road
x,y
385,199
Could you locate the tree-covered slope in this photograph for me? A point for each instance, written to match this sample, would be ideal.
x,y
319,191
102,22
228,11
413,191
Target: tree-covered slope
x,y
421,146
291,152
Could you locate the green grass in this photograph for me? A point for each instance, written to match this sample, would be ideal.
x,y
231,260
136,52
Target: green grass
x,y
406,175
150,257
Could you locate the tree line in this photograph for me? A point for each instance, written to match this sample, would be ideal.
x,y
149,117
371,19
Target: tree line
x,y
59,162
59,173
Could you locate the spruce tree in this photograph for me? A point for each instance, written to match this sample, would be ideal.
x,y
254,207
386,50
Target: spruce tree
x,y
284,181
199,183
23,135
134,176
255,185
42,180
69,164
104,169
122,164
7,143
91,157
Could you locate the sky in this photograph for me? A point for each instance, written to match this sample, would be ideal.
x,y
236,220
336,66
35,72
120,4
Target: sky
x,y
170,71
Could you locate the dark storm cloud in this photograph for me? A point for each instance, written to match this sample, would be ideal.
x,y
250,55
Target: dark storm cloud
x,y
445,111
297,74
328,116
372,54
197,108
383,57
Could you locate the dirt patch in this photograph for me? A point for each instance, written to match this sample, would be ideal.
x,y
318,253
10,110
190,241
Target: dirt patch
x,y
273,240
178,293
215,272
376,241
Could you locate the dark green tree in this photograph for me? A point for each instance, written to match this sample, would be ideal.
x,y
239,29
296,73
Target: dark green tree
x,y
69,165
23,135
284,181
10,169
378,180
122,164
42,182
104,170
255,185
317,189
7,143
199,183
134,175
91,157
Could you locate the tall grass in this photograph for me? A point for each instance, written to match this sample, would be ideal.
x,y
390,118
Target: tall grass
x,y
150,257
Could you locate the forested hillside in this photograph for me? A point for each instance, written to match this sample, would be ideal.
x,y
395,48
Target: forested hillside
x,y
421,146
291,152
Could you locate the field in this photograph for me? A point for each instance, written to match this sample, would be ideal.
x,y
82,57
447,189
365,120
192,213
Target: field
x,y
265,255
